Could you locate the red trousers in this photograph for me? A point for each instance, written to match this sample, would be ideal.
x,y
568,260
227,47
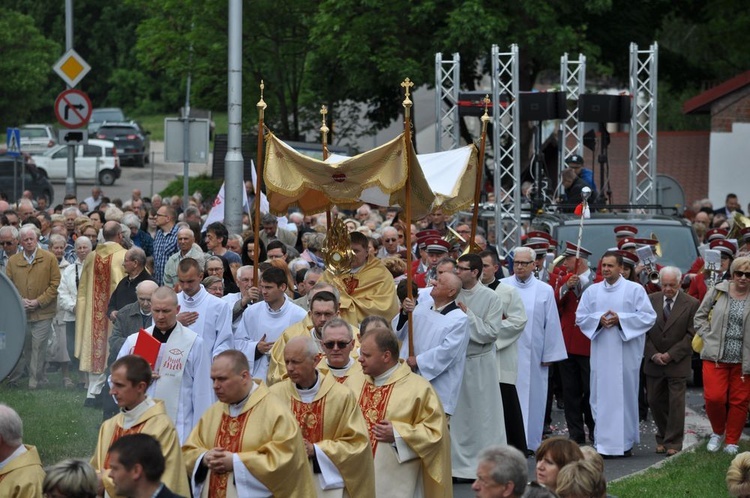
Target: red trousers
x,y
724,384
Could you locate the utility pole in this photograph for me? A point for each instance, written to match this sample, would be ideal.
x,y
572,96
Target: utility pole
x,y
234,162
70,180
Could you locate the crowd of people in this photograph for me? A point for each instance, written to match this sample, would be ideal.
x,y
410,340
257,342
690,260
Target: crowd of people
x,y
232,372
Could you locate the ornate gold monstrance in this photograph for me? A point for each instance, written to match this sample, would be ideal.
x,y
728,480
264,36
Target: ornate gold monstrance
x,y
337,252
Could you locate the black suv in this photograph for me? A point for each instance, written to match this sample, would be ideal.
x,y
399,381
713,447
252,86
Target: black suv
x,y
36,182
679,245
132,142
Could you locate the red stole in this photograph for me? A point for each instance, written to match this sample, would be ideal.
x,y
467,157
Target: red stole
x,y
119,432
310,418
229,436
99,321
374,401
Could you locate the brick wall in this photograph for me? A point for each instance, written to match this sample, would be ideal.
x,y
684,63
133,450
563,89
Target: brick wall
x,y
730,109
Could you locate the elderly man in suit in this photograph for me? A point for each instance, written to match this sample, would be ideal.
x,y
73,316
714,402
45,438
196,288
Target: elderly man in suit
x,y
668,355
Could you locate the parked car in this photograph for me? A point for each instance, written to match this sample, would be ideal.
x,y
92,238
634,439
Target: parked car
x,y
97,159
34,180
132,142
37,138
99,116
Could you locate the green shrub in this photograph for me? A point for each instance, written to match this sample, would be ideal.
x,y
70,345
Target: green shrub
x,y
203,183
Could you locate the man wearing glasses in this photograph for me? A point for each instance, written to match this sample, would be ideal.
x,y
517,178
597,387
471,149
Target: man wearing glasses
x,y
390,246
540,344
165,242
9,242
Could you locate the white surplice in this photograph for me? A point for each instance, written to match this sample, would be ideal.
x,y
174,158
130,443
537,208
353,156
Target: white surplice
x,y
440,343
478,420
541,342
511,328
196,393
259,320
616,354
214,324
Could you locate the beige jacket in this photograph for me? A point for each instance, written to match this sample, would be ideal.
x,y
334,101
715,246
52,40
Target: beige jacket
x,y
38,280
713,331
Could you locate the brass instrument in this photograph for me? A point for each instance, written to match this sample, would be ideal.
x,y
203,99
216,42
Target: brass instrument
x,y
657,247
453,238
739,222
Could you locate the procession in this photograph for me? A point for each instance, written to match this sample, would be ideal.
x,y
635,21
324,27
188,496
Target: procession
x,y
541,306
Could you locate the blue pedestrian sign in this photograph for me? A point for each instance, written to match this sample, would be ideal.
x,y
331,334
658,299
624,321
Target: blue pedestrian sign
x,y
13,142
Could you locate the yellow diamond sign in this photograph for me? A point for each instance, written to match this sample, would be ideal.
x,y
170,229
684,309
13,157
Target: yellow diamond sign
x,y
71,68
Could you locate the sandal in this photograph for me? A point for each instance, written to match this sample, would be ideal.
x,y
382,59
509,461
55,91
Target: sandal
x,y
672,452
68,384
660,449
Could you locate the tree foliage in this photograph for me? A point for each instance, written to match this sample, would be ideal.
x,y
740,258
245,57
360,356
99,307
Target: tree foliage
x,y
25,65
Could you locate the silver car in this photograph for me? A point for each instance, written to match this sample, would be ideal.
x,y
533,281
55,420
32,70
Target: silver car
x,y
37,138
96,160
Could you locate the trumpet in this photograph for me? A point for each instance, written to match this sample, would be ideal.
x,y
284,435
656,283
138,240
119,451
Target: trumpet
x,y
653,273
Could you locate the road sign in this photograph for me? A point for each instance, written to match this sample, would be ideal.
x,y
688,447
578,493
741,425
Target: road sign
x,y
73,137
71,67
174,136
13,142
73,108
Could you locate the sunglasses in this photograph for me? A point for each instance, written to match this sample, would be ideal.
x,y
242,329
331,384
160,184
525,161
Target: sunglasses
x,y
10,243
738,273
340,344
390,240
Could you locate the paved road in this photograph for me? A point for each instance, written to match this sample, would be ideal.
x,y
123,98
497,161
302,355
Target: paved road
x,y
140,178
696,429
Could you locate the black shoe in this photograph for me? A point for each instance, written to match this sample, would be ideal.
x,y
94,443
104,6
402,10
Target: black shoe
x,y
627,454
91,403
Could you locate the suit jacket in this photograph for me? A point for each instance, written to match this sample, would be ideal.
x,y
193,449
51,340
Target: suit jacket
x,y
672,336
128,322
167,493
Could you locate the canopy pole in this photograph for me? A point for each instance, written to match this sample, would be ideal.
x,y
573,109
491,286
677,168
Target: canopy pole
x,y
324,133
261,105
480,169
407,84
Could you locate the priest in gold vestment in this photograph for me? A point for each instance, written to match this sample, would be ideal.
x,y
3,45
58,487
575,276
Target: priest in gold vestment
x,y
248,443
407,425
324,307
102,271
341,350
140,414
333,429
21,474
368,289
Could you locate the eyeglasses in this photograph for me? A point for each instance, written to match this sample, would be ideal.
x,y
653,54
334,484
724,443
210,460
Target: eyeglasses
x,y
522,263
738,273
339,344
390,240
462,268
161,215
10,243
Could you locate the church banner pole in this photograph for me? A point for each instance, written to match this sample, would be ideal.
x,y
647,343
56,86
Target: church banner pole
x,y
480,169
585,193
261,105
407,84
324,133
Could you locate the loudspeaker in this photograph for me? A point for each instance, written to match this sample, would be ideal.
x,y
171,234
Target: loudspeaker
x,y
542,106
604,108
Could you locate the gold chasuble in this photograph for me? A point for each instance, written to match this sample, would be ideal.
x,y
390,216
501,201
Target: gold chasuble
x,y
334,423
101,273
155,422
369,291
410,403
266,438
277,366
341,376
22,477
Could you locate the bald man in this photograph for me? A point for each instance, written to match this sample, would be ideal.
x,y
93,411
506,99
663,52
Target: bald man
x,y
186,248
441,336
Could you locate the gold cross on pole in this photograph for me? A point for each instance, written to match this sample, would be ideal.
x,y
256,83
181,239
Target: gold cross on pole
x,y
486,117
324,129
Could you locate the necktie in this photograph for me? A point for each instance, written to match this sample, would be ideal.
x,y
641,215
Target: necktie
x,y
667,308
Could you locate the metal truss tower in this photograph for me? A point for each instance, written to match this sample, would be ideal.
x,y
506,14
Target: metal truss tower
x,y
506,147
573,83
643,90
447,84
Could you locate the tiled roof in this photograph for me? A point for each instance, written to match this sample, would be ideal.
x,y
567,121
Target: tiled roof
x,y
701,103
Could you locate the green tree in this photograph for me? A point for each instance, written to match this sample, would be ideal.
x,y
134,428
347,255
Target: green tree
x,y
27,57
